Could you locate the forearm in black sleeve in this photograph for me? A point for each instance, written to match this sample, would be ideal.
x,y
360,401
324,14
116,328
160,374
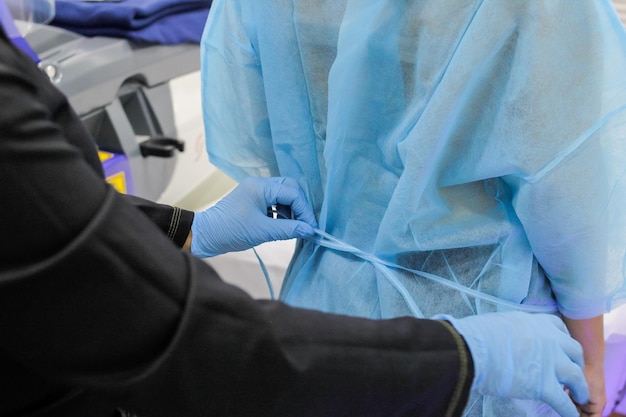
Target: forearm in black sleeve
x,y
173,221
238,357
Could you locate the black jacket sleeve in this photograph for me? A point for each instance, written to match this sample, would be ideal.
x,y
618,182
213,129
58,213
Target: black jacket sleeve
x,y
99,310
173,221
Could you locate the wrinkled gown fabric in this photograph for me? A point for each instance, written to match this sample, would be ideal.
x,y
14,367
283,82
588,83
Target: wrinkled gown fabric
x,y
482,142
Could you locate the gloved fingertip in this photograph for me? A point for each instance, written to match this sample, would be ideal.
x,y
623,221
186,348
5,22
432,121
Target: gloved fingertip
x,y
580,392
564,406
304,230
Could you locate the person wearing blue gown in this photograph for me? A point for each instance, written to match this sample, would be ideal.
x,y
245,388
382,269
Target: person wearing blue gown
x,y
468,156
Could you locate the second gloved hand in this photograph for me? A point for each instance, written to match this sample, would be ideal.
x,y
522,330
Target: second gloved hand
x,y
239,221
525,356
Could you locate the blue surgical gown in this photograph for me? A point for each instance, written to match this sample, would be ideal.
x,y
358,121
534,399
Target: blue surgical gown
x,y
482,142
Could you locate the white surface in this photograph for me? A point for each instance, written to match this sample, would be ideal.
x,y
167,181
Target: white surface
x,y
195,183
243,270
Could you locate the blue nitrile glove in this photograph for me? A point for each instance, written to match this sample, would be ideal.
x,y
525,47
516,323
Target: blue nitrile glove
x,y
239,221
525,356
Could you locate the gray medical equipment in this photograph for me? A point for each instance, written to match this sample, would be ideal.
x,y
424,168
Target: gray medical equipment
x,y
120,91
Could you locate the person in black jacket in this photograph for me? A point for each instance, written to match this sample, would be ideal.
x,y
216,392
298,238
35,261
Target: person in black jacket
x,y
102,314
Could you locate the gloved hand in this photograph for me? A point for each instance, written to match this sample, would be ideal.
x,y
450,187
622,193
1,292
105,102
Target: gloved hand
x,y
525,356
239,221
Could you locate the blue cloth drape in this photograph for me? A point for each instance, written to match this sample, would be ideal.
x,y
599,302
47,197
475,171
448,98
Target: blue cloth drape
x,y
152,21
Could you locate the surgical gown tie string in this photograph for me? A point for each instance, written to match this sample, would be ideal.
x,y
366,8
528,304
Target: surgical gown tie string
x,y
330,242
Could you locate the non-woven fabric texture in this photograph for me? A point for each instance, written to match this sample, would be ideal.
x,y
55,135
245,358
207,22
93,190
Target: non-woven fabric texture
x,y
150,21
482,142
